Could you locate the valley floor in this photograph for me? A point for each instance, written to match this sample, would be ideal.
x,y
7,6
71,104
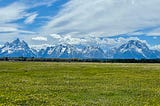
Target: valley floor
x,y
39,83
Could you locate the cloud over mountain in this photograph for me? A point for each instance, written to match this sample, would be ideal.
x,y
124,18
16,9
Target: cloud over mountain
x,y
131,49
105,17
80,21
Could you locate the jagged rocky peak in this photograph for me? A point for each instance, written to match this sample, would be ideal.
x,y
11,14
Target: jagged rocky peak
x,y
92,48
60,51
19,42
16,48
16,43
131,49
138,44
133,45
6,44
93,52
134,49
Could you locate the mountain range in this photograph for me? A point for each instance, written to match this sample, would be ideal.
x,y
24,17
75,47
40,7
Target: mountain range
x,y
133,49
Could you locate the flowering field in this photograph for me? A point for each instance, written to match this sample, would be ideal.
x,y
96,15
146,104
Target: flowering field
x,y
40,83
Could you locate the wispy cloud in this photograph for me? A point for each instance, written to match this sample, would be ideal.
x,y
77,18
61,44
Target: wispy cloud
x,y
12,12
16,17
155,32
36,3
30,19
7,29
92,40
78,21
107,17
9,15
40,38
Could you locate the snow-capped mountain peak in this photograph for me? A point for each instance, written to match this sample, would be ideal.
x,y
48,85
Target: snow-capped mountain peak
x,y
133,45
61,51
134,49
17,48
93,52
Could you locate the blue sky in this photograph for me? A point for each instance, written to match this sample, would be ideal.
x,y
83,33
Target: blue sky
x,y
80,21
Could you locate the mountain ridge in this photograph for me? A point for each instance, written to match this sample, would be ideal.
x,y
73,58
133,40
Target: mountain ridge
x,y
133,49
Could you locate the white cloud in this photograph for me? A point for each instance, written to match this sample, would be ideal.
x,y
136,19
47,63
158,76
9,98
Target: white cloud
x,y
107,17
30,19
14,30
150,32
155,32
156,47
82,21
103,42
9,14
26,32
40,38
7,29
42,46
36,3
56,36
12,12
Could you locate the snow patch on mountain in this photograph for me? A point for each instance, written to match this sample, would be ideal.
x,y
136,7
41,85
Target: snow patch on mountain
x,y
156,47
93,52
132,49
16,48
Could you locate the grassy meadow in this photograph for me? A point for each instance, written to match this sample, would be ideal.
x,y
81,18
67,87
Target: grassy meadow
x,y
79,84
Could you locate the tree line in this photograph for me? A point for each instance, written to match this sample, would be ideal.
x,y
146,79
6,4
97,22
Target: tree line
x,y
80,60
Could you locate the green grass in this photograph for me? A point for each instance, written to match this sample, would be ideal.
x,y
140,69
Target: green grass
x,y
89,84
